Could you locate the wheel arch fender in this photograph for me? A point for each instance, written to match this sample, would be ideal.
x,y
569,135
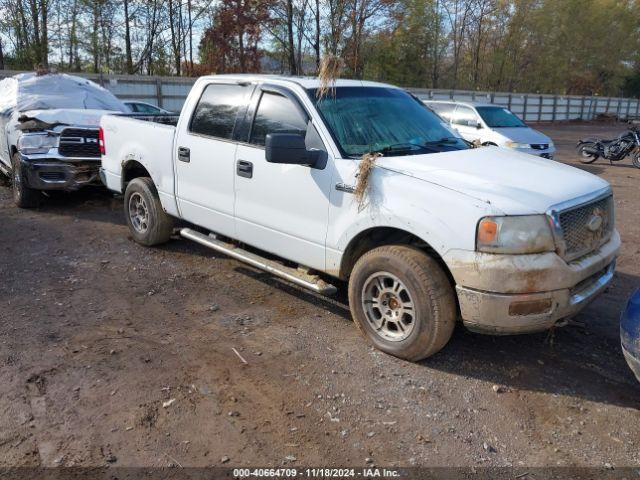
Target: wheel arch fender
x,y
363,237
132,167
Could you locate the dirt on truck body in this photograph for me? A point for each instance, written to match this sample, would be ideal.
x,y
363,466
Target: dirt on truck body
x,y
115,354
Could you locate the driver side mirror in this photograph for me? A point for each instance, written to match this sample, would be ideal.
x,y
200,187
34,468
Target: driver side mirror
x,y
290,149
479,126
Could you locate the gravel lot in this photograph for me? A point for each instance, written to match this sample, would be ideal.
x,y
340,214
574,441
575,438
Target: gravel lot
x,y
116,354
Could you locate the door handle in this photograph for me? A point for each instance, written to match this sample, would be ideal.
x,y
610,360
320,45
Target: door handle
x,y
244,169
184,154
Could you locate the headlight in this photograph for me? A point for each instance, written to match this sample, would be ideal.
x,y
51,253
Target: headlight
x,y
551,145
517,234
37,143
511,144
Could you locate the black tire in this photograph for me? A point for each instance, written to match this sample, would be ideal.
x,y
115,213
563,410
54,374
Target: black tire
x,y
147,221
23,196
428,289
586,157
635,159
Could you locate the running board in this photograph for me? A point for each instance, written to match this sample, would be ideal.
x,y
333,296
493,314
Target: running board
x,y
312,282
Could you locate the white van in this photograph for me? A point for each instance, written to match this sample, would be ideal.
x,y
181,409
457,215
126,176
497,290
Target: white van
x,y
492,125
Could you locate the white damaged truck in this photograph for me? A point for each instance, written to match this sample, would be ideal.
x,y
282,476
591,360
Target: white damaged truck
x,y
49,132
431,231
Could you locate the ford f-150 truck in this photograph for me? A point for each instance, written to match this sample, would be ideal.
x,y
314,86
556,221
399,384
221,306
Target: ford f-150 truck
x,y
267,166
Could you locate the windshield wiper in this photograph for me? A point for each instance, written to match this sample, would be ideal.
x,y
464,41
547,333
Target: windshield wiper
x,y
442,141
408,147
402,148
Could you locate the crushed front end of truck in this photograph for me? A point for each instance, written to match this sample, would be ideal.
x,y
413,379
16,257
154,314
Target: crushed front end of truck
x,y
59,158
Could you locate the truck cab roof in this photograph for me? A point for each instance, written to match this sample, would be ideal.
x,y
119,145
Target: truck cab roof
x,y
304,82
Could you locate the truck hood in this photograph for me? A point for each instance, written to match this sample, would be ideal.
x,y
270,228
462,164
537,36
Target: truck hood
x,y
523,135
513,183
59,116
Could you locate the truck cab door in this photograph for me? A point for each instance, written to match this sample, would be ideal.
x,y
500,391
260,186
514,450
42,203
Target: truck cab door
x,y
281,208
205,151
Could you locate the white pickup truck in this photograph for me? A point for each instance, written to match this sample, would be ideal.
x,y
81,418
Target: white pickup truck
x,y
507,242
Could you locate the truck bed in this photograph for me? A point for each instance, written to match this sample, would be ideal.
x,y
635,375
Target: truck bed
x,y
147,141
163,118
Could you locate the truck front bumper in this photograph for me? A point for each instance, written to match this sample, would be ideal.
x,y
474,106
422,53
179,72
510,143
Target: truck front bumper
x,y
53,174
512,294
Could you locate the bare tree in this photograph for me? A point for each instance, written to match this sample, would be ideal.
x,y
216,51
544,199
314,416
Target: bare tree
x,y
458,13
360,12
127,38
481,13
337,20
175,26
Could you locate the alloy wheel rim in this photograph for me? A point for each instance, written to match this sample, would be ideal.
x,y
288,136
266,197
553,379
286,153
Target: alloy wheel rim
x,y
388,306
138,213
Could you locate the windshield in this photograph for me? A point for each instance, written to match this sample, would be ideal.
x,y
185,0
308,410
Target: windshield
x,y
499,117
386,120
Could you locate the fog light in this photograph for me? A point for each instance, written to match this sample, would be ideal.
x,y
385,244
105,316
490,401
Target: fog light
x,y
530,307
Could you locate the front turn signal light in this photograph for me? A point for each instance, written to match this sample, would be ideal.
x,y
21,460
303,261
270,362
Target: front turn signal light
x,y
487,231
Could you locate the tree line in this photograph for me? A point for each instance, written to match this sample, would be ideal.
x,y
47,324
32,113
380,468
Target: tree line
x,y
546,46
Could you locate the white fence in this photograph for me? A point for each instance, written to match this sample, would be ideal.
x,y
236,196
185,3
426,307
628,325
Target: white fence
x,y
171,92
544,108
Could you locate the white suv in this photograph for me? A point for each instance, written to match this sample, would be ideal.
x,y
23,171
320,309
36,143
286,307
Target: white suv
x,y
493,125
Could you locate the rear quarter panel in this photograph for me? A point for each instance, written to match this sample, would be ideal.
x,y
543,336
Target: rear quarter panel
x,y
150,144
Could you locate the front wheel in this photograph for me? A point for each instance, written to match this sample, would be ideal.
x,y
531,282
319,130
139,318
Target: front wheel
x,y
23,196
585,156
402,301
147,221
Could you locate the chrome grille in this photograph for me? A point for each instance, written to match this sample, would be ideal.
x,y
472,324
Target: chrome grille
x,y
79,142
539,146
586,227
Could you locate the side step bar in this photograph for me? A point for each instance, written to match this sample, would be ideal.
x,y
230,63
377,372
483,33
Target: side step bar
x,y
4,169
312,282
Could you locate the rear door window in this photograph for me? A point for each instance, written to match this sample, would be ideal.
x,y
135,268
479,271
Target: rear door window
x,y
465,116
444,110
276,114
217,110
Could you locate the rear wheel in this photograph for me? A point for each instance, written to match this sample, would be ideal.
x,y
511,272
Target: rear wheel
x,y
586,157
23,196
635,159
147,221
402,301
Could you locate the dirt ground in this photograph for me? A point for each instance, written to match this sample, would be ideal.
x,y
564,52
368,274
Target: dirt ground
x,y
112,353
